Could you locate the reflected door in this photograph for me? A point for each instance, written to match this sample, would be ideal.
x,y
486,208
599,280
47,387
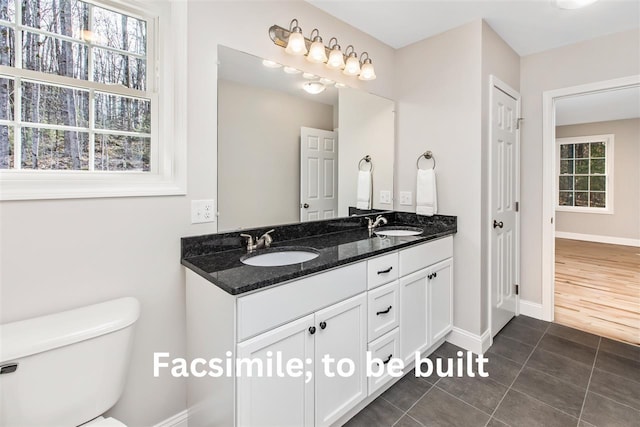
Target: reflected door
x,y
318,174
505,167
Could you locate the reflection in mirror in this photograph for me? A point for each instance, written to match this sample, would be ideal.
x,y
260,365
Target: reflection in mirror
x,y
286,154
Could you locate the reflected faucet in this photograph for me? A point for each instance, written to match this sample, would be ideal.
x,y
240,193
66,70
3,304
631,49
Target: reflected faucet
x,y
263,242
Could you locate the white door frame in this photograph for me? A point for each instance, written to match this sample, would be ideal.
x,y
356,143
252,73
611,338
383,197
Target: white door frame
x,y
549,99
494,81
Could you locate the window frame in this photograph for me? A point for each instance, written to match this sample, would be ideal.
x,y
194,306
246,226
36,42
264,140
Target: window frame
x,y
166,88
608,140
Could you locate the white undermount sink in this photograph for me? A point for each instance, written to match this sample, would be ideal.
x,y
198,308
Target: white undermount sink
x,y
275,257
398,231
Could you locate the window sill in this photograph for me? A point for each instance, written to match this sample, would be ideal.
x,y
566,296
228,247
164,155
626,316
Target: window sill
x,y
572,209
46,185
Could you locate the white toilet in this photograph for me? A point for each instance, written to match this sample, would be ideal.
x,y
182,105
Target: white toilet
x,y
68,368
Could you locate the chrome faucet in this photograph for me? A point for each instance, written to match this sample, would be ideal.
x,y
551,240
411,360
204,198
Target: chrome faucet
x,y
263,242
373,224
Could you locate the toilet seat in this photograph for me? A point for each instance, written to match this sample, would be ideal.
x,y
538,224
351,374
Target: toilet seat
x,y
104,422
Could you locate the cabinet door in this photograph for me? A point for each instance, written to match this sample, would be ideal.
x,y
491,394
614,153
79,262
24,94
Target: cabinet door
x,y
441,299
341,334
277,401
414,331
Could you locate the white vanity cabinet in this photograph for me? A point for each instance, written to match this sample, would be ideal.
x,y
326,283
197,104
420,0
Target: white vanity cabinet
x,y
338,331
391,305
426,295
303,320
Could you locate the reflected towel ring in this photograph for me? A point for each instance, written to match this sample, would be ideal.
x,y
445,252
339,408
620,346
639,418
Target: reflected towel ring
x,y
426,155
366,159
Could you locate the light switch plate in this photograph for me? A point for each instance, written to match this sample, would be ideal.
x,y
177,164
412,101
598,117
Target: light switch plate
x,y
385,197
406,198
203,211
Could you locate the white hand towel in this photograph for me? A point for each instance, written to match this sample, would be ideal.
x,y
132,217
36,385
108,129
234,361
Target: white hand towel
x,y
364,190
426,193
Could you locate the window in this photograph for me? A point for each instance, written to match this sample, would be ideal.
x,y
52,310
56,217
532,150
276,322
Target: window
x,y
80,101
585,174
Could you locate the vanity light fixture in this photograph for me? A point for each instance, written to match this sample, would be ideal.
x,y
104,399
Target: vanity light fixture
x,y
352,66
296,44
336,59
317,53
313,88
270,64
366,70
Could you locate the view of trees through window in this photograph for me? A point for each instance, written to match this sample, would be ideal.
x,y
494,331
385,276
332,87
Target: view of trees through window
x,y
73,87
583,180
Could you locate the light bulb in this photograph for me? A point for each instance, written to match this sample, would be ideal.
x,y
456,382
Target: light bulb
x,y
313,88
352,67
367,72
296,44
336,60
317,53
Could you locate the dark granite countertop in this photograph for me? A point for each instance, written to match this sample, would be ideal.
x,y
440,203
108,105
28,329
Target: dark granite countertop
x,y
216,257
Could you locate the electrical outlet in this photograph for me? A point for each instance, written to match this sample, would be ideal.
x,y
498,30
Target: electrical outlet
x,y
405,198
385,197
203,211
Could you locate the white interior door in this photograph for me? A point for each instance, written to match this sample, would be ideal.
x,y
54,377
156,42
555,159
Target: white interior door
x,y
505,169
318,174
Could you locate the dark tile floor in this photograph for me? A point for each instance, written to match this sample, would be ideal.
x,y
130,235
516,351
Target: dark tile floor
x,y
540,374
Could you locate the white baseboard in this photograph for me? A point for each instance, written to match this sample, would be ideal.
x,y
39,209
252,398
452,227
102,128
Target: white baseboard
x,y
472,342
531,309
177,420
599,239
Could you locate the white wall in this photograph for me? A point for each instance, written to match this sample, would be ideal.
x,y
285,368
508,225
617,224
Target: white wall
x,y
259,148
366,128
60,254
439,109
442,106
625,220
603,58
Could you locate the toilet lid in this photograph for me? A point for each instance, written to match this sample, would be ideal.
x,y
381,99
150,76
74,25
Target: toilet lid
x,y
105,422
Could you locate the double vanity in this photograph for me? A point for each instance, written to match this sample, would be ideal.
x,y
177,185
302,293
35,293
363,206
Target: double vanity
x,y
337,287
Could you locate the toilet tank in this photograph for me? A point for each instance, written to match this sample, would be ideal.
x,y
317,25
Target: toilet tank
x,y
72,365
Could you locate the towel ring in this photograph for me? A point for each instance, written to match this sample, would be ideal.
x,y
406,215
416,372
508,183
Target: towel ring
x,y
426,155
366,159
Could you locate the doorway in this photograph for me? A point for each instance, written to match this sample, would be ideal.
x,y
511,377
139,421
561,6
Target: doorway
x,y
591,253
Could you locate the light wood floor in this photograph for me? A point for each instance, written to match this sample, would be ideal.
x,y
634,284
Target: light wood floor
x,y
597,288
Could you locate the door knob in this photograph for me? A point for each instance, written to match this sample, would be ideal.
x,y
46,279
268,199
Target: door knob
x,y
497,224
323,325
312,330
306,206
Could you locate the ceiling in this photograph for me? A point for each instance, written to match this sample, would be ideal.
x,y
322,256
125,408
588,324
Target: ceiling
x,y
528,26
599,107
246,69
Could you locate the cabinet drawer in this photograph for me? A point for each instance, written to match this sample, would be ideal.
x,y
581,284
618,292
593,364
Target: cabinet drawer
x,y
273,307
381,270
383,305
424,255
384,348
